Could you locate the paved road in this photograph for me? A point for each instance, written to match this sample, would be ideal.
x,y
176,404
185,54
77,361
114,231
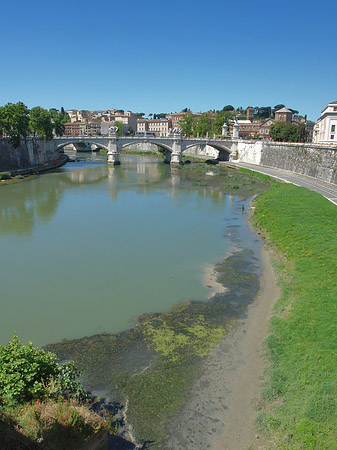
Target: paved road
x,y
328,190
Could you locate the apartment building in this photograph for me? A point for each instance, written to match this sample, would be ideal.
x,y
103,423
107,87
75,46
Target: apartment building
x,y
74,129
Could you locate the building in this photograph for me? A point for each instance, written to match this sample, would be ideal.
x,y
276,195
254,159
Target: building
x,y
265,128
248,128
160,127
325,130
74,129
92,128
128,119
75,116
283,115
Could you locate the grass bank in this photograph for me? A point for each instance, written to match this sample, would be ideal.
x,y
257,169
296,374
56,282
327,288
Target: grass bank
x,y
298,407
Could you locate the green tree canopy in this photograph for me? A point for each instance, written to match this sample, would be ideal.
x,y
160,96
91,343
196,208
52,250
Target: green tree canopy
x,y
40,122
58,120
288,132
14,122
204,125
228,108
277,107
188,124
120,126
220,119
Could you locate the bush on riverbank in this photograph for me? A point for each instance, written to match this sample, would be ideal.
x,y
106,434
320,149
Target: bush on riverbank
x,y
42,403
299,406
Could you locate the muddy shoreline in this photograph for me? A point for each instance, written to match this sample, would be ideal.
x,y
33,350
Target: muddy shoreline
x,y
220,413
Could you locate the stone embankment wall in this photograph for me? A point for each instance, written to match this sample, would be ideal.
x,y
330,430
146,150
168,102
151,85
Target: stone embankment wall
x,y
33,152
312,160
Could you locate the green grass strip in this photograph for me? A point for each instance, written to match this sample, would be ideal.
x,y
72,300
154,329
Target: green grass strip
x,y
299,404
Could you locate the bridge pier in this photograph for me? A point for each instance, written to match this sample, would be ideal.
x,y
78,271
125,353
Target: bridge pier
x,y
177,154
113,152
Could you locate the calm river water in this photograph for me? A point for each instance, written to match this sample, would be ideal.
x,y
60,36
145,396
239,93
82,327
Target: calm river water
x,y
89,248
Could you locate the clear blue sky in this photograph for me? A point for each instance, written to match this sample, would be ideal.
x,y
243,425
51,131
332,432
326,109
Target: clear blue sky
x,y
154,56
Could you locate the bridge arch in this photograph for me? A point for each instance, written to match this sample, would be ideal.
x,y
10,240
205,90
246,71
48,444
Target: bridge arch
x,y
73,142
165,147
223,154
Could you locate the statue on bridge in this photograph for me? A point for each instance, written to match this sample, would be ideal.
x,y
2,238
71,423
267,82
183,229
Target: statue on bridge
x,y
176,130
113,131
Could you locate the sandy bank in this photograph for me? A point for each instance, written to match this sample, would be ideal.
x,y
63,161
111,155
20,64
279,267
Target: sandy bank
x,y
220,413
209,280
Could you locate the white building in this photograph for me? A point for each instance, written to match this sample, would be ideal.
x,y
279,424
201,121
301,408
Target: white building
x,y
158,126
325,130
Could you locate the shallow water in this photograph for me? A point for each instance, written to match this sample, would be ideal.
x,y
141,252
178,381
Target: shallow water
x,y
88,248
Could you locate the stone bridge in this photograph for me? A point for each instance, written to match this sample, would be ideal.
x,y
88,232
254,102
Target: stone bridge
x,y
174,145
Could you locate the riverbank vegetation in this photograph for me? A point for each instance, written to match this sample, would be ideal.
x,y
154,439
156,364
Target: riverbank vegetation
x,y
18,122
298,409
42,405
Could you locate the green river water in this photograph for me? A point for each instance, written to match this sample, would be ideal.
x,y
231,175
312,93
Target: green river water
x,y
87,249
112,267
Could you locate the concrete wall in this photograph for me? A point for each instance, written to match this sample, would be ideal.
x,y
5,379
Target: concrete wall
x,y
307,159
33,152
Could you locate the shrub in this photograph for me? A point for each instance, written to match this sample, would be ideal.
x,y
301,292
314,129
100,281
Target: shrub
x,y
29,373
5,176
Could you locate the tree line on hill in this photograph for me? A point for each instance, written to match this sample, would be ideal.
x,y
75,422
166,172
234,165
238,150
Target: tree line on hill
x,y
18,122
211,123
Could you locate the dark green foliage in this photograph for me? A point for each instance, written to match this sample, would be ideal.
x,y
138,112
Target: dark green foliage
x,y
58,120
120,126
228,108
188,124
203,125
14,122
288,132
28,373
40,122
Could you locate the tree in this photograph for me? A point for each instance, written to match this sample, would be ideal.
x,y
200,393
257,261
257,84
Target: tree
x,y
228,108
287,132
187,124
120,126
40,122
14,122
58,120
302,132
220,119
277,107
204,125
262,112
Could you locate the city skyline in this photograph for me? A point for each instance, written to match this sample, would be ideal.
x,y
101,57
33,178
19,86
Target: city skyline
x,y
155,58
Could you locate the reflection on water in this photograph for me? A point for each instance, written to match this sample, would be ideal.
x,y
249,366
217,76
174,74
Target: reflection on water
x,y
90,247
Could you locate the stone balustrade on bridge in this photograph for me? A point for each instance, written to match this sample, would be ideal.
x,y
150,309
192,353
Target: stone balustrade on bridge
x,y
174,145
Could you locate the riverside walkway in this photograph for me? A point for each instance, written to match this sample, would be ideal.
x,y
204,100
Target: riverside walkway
x,y
328,190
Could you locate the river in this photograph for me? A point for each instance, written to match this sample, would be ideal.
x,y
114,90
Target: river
x,y
89,248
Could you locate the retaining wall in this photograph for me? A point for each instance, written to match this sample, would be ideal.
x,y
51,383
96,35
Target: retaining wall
x,y
32,152
312,160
